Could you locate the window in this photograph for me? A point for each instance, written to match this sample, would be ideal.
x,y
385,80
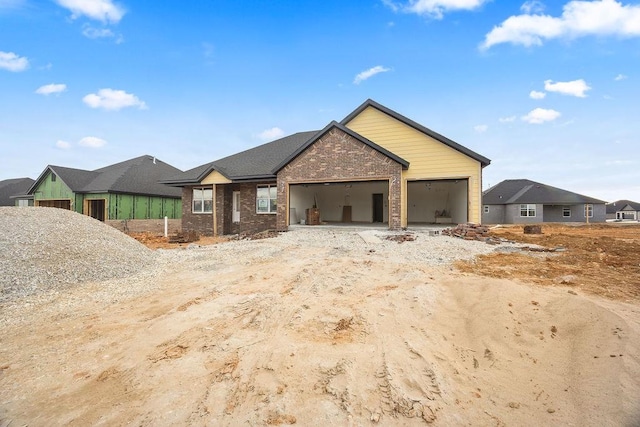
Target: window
x,y
486,208
202,200
527,210
53,177
566,211
588,211
266,199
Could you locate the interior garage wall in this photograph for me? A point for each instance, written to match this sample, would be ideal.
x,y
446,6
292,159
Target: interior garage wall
x,y
332,198
427,197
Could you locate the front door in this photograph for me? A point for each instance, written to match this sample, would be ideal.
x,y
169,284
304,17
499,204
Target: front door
x,y
378,208
236,207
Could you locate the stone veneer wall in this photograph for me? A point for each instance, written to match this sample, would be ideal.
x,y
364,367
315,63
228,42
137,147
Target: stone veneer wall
x,y
339,157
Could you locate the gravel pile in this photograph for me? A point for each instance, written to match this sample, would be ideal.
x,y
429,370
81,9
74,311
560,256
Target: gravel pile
x,y
45,252
47,248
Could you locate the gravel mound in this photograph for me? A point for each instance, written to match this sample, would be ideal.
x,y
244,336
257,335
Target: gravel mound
x,y
47,248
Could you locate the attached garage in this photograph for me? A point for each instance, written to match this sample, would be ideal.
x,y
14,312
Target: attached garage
x,y
341,202
443,201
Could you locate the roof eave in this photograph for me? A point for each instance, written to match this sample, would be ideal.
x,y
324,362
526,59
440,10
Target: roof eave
x,y
417,126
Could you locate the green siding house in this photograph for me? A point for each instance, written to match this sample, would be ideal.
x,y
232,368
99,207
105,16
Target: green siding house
x,y
129,190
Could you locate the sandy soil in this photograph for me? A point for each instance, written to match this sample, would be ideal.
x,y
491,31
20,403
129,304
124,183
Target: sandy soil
x,y
327,337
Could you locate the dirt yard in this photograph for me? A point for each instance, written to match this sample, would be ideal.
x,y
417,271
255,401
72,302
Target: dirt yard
x,y
329,330
600,259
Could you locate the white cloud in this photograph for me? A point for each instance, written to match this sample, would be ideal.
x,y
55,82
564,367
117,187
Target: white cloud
x,y
369,73
541,115
532,6
63,145
51,88
271,134
534,94
96,33
507,119
12,62
480,128
433,8
92,142
111,99
620,77
99,10
579,18
573,88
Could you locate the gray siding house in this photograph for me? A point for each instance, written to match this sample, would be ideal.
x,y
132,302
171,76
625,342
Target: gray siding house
x,y
521,201
13,192
623,210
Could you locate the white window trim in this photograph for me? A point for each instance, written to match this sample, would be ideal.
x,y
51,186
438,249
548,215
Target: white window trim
x,y
564,209
528,207
268,187
193,199
485,209
588,208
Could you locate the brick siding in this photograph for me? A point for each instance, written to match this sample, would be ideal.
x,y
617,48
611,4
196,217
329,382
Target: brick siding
x,y
251,222
201,223
339,157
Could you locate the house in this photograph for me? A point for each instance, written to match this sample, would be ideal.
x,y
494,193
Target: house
x,y
11,188
623,210
374,166
123,194
521,201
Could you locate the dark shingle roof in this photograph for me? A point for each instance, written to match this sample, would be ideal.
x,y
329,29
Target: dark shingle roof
x,y
513,191
255,163
260,162
141,175
13,187
619,205
417,126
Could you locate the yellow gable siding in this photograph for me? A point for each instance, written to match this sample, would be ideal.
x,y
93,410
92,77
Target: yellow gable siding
x,y
216,177
428,158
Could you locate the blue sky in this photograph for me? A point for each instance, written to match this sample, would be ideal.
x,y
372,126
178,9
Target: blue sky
x,y
547,90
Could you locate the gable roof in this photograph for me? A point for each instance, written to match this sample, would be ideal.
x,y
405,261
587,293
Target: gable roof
x,y
417,126
140,175
515,191
619,205
254,163
336,125
13,187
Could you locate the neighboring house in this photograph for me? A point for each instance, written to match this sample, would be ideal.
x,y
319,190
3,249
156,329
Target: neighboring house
x,y
521,201
10,189
375,166
129,190
623,210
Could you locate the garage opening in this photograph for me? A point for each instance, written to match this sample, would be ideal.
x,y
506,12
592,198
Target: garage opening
x,y
62,204
341,202
438,201
96,209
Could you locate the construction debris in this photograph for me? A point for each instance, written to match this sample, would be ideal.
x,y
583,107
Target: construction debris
x,y
532,229
184,237
468,231
400,238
